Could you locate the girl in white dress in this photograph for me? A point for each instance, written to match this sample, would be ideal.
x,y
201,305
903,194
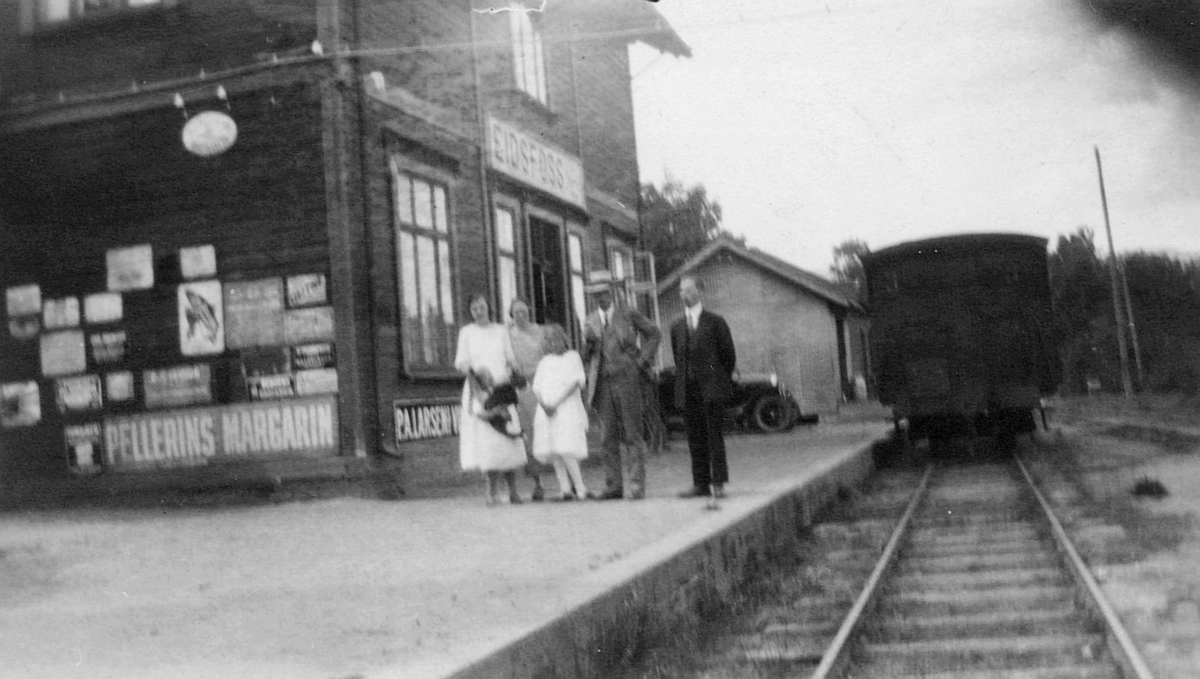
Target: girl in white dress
x,y
560,423
485,353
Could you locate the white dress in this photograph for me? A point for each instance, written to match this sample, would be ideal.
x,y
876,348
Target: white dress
x,y
564,433
480,447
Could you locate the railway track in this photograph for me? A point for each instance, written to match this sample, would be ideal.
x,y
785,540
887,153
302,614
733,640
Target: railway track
x,y
980,582
954,572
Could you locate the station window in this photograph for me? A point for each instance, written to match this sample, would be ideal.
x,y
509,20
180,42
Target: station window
x,y
427,318
48,13
529,59
506,257
575,260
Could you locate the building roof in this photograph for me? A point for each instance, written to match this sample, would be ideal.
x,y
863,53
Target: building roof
x,y
808,281
636,19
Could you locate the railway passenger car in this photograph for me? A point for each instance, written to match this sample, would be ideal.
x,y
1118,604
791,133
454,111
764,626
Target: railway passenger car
x,y
961,334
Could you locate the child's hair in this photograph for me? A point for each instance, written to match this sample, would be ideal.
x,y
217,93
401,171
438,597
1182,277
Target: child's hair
x,y
555,333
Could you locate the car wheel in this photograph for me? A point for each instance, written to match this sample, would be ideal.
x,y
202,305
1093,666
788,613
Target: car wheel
x,y
772,414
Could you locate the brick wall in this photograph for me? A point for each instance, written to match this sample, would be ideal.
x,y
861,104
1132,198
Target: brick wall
x,y
151,46
69,193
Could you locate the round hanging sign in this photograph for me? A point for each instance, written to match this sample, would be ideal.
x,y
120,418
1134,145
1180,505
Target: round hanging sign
x,y
209,133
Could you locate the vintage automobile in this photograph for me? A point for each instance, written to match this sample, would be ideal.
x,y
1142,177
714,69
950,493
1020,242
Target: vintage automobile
x,y
760,403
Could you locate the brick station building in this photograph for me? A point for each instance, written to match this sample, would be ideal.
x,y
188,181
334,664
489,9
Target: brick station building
x,y
237,237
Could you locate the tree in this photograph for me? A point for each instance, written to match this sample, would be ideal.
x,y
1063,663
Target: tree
x,y
677,223
847,267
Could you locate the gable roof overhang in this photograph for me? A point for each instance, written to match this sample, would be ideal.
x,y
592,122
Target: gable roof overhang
x,y
807,281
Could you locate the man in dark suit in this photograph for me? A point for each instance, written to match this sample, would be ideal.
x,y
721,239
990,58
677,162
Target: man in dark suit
x,y
619,345
704,361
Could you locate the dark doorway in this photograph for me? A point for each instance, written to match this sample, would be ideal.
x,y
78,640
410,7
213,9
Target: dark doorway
x,y
549,290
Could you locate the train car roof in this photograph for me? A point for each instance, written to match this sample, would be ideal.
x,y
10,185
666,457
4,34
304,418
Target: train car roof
x,y
959,243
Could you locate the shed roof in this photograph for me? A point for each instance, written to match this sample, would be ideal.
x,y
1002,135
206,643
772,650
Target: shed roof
x,y
806,280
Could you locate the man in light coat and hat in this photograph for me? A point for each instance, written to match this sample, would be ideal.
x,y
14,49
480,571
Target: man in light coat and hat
x,y
619,345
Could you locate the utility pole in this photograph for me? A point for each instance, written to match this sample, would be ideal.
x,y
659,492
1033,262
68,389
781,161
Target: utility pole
x,y
1137,350
1118,312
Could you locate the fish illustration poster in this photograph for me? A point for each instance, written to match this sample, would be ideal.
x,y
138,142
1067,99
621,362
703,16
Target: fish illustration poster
x,y
201,318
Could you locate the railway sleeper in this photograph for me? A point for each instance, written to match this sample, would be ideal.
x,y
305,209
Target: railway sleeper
x,y
986,624
943,655
975,580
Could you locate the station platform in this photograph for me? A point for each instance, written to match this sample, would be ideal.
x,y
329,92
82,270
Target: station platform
x,y
415,589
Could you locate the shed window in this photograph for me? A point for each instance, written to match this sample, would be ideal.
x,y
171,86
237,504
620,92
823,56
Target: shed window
x,y
424,276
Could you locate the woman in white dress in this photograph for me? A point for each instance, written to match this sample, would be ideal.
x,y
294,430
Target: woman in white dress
x,y
560,423
485,356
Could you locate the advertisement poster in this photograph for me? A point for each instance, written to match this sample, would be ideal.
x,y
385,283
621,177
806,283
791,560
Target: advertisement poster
x,y
107,347
429,419
130,268
25,327
20,404
266,387
23,300
84,442
61,313
103,307
307,290
63,353
265,361
198,262
198,436
79,392
313,356
254,313
311,382
178,386
308,325
119,386
201,318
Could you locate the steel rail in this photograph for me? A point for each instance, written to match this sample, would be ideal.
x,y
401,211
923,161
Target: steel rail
x,y
834,654
1132,664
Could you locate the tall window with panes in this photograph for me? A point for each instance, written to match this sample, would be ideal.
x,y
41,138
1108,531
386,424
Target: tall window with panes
x,y
529,59
506,257
47,13
575,260
427,325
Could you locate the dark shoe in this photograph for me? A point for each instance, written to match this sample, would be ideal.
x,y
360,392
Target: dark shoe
x,y
610,494
566,497
718,491
695,491
539,494
514,500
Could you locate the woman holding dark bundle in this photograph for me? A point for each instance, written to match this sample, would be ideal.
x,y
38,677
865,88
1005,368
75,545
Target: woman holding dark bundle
x,y
490,437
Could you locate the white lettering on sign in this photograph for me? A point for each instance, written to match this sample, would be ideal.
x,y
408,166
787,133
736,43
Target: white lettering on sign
x,y
202,435
415,422
286,427
174,439
526,158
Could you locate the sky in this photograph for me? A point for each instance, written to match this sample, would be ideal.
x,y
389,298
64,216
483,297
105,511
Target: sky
x,y
813,122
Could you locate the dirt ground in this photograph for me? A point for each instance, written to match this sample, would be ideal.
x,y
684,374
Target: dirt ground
x,y
1139,460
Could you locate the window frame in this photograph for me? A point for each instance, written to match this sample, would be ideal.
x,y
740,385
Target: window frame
x,y
445,255
579,301
501,202
527,43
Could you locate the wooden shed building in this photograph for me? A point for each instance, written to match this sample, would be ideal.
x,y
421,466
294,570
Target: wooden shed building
x,y
784,320
237,237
